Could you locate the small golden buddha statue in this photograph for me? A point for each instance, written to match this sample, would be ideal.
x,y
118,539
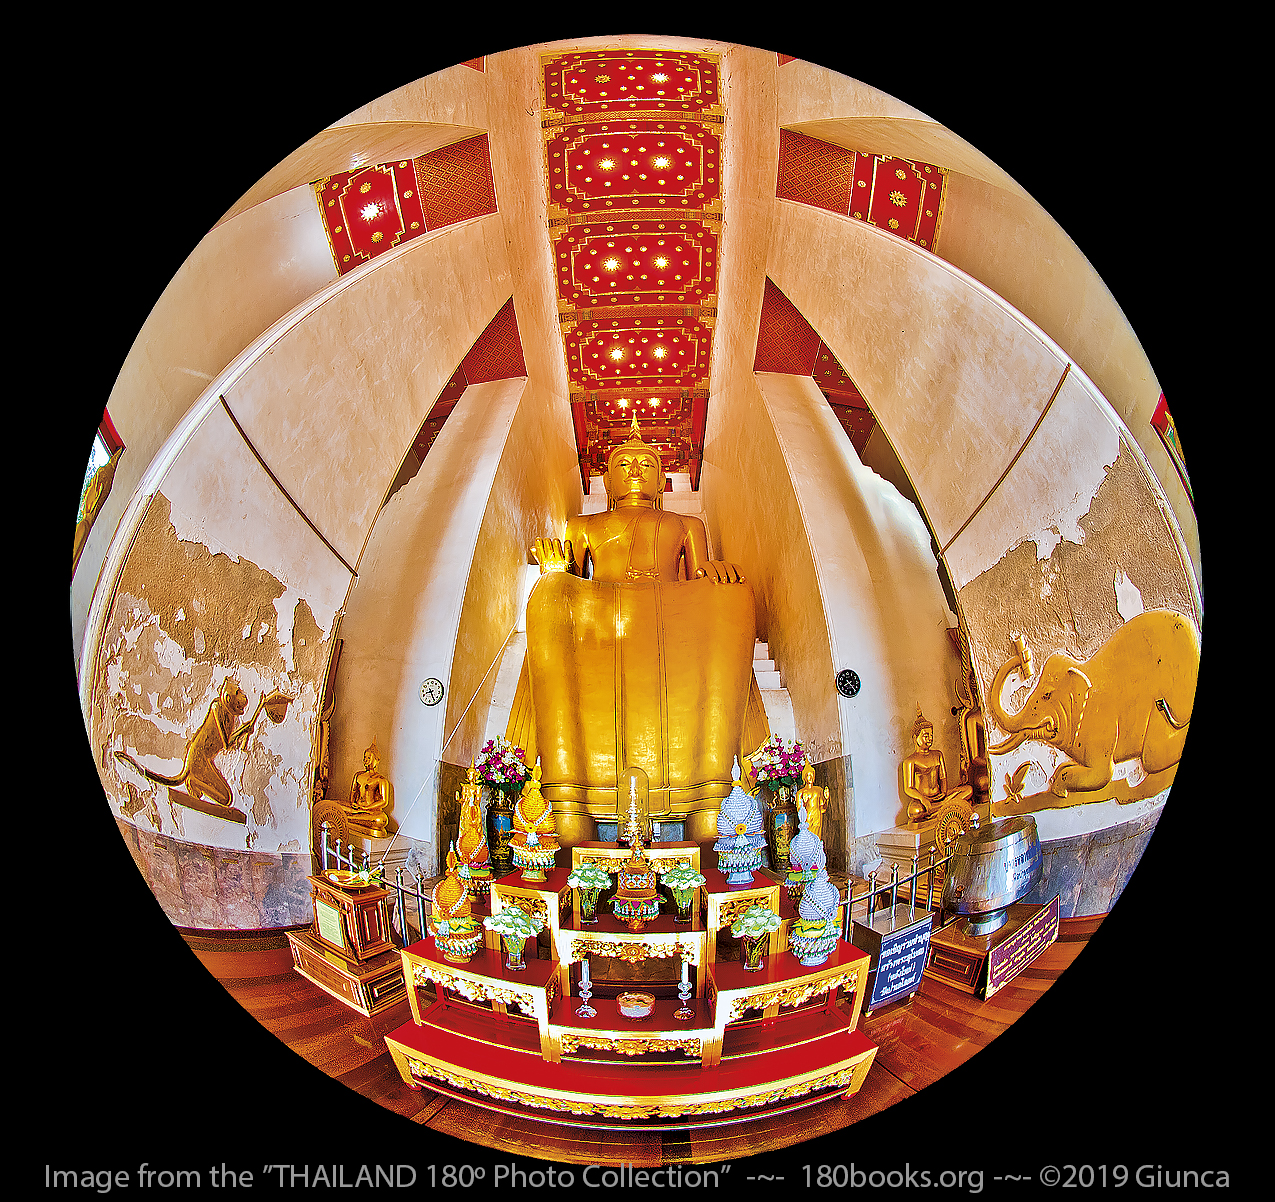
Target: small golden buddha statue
x,y
471,842
814,798
535,838
371,798
925,774
657,640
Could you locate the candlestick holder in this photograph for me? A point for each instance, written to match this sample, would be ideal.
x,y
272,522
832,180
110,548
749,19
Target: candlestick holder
x,y
584,1010
685,1011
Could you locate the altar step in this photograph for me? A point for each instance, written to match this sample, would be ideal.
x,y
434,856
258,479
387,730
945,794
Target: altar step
x,y
772,1067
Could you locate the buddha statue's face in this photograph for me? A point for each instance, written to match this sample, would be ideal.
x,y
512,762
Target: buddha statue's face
x,y
634,474
925,738
370,760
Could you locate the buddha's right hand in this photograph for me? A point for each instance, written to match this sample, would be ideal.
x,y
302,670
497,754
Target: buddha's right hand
x,y
552,554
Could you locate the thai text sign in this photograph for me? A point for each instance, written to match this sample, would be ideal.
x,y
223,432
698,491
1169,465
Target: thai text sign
x,y
900,961
1007,960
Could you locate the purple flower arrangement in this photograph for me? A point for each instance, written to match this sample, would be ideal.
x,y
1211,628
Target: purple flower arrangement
x,y
501,766
778,763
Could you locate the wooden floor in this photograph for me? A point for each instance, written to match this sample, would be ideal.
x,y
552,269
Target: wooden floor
x,y
920,1041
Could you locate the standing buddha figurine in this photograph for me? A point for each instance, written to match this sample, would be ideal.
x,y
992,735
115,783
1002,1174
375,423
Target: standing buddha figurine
x,y
471,843
814,798
806,857
535,838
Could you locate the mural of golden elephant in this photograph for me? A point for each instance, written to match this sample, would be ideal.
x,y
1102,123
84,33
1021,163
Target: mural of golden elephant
x,y
1132,699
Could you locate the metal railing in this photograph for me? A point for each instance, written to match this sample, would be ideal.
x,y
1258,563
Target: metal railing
x,y
892,887
334,857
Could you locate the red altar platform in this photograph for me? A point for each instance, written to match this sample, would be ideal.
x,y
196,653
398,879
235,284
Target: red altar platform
x,y
757,1042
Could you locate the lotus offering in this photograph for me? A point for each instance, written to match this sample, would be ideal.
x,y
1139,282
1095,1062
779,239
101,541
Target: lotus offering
x,y
514,926
683,882
589,880
753,929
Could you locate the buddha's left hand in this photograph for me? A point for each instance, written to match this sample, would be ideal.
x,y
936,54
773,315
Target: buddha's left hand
x,y
553,555
720,572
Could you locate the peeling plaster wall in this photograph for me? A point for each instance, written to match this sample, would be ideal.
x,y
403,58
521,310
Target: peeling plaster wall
x,y
880,594
224,578
1004,449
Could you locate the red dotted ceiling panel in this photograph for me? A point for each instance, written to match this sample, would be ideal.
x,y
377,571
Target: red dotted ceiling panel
x,y
787,343
368,211
898,195
632,166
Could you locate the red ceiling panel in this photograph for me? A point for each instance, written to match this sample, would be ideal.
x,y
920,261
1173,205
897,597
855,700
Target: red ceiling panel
x,y
634,165
478,64
637,263
629,352
814,172
632,169
898,195
456,182
497,355
366,212
601,81
785,341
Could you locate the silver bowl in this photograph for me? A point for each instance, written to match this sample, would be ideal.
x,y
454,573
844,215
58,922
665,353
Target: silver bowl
x,y
992,866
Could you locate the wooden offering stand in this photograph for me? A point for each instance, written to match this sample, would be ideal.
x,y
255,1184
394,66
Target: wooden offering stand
x,y
755,1043
348,952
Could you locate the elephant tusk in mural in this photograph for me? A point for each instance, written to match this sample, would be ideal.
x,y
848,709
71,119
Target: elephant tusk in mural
x,y
1131,700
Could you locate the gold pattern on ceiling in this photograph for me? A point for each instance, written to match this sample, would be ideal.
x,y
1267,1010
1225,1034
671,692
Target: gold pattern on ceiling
x,y
632,143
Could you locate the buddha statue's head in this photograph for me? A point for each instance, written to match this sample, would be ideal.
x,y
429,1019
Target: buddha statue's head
x,y
923,731
634,472
372,756
807,773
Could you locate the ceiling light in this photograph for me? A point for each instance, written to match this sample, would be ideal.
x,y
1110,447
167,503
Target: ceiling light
x,y
370,212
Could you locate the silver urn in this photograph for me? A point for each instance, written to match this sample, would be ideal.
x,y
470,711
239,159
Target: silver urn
x,y
992,866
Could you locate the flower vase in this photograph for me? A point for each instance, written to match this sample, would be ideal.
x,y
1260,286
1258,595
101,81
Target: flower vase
x,y
781,826
513,950
753,948
500,825
588,906
683,898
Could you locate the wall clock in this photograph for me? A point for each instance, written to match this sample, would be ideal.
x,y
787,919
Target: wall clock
x,y
847,682
432,691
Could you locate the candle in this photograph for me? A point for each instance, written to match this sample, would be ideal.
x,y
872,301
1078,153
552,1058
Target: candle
x,y
686,970
584,973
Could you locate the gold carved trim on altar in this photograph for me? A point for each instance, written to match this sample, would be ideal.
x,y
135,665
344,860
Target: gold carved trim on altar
x,y
631,950
732,909
477,991
661,1108
632,1046
790,995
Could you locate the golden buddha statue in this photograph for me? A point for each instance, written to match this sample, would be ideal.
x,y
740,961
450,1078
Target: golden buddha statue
x,y
471,842
639,653
925,774
535,838
814,798
371,798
